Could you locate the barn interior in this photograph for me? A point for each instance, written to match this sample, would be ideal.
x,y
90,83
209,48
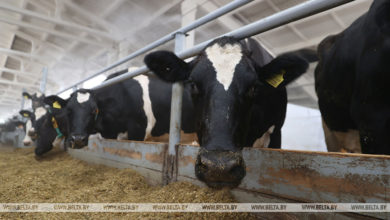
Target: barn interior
x,y
73,39
49,45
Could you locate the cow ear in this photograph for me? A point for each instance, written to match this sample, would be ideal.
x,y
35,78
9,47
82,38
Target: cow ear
x,y
25,113
168,66
282,70
55,102
26,95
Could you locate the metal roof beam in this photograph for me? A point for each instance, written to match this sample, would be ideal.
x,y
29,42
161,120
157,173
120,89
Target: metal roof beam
x,y
111,7
56,21
29,75
292,27
153,17
56,33
36,41
20,84
20,53
229,21
66,52
90,16
12,92
11,98
6,102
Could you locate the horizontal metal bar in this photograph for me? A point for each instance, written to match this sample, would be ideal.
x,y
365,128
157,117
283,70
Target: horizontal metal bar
x,y
209,17
123,77
286,16
292,14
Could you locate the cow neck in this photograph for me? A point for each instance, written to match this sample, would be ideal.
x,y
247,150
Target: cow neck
x,y
55,124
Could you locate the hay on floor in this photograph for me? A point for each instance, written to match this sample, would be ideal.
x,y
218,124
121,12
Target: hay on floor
x,y
59,178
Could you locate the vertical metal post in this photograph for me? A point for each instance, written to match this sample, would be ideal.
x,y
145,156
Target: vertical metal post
x,y
23,100
74,88
44,80
170,172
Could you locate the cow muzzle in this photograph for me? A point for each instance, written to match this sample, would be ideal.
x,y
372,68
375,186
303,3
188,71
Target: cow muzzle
x,y
220,169
27,143
78,141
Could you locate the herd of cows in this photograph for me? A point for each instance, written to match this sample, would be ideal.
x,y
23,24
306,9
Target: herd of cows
x,y
234,97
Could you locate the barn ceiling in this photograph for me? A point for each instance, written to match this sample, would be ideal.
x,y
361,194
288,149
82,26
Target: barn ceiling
x,y
75,38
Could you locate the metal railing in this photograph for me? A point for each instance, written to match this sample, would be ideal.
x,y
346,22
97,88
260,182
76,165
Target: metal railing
x,y
199,22
283,17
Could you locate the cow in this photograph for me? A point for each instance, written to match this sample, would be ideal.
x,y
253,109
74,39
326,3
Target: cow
x,y
48,127
351,82
29,129
38,111
137,107
36,99
9,130
239,94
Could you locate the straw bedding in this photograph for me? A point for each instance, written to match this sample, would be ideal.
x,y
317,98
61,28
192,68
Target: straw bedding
x,y
60,178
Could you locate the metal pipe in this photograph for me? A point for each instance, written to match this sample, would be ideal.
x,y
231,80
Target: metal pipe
x,y
297,12
207,18
283,17
123,77
176,104
175,120
44,80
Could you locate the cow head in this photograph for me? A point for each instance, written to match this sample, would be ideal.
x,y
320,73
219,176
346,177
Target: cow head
x,y
49,125
81,112
33,117
224,80
39,130
30,132
36,99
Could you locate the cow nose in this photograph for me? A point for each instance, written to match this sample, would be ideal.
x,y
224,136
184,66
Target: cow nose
x,y
220,169
26,143
79,141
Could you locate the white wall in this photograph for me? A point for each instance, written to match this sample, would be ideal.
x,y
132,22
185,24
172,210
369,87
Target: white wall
x,y
302,129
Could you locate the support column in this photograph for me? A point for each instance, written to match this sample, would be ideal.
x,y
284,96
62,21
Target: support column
x,y
44,80
170,167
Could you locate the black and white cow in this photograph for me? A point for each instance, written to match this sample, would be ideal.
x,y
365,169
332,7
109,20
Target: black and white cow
x,y
48,127
139,107
239,95
352,83
36,99
30,134
38,111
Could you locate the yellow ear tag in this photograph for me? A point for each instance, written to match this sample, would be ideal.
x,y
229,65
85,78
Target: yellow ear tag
x,y
26,97
56,105
276,79
25,115
54,121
